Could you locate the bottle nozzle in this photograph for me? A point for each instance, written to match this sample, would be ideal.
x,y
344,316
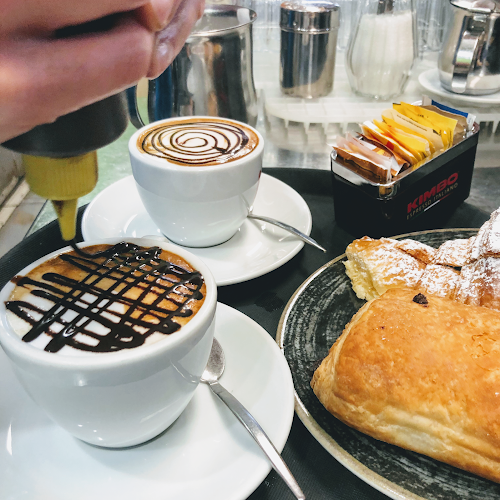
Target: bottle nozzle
x,y
66,215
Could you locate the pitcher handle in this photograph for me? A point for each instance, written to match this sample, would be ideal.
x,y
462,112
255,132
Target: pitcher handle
x,y
160,99
465,54
133,110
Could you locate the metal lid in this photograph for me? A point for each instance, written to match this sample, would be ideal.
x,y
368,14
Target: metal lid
x,y
309,15
478,6
221,19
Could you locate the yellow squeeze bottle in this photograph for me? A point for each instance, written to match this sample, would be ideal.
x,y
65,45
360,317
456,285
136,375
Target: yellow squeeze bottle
x,y
62,181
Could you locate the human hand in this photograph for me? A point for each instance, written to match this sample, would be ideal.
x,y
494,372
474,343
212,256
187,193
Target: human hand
x,y
43,76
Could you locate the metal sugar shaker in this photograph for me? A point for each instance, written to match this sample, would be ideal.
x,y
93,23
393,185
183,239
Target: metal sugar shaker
x,y
308,45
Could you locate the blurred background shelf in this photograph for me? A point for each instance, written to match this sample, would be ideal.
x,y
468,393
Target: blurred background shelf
x,y
313,124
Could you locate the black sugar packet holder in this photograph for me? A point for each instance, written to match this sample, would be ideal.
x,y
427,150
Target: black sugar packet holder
x,y
420,198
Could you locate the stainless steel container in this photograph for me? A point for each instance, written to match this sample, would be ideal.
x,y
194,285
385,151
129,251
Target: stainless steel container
x,y
212,74
469,62
308,46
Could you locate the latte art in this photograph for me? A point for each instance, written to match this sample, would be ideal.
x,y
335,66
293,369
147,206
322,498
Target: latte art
x,y
122,297
198,143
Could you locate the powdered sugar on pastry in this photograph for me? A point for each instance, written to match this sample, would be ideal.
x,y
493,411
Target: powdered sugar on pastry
x,y
439,280
454,253
487,242
479,283
375,266
420,251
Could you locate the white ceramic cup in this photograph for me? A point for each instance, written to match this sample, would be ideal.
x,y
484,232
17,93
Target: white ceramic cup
x,y
120,398
197,206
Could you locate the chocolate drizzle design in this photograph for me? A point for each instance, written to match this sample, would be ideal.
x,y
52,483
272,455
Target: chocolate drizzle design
x,y
198,144
113,278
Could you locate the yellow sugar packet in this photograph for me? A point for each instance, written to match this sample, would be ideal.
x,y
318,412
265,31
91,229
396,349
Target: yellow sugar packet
x,y
443,125
410,113
372,131
396,119
416,145
461,127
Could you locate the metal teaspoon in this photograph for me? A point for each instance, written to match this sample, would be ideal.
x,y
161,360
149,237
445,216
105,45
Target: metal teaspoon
x,y
288,228
211,375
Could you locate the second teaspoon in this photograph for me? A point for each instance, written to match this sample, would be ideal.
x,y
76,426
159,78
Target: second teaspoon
x,y
211,375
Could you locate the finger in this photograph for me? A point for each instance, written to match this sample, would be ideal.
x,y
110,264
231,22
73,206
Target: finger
x,y
170,40
156,14
35,17
42,80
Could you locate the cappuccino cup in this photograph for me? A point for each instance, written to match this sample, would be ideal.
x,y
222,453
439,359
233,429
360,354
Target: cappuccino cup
x,y
197,176
111,345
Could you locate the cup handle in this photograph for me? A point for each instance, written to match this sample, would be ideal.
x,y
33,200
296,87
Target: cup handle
x,y
465,55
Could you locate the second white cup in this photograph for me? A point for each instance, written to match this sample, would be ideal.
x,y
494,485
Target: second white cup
x,y
197,176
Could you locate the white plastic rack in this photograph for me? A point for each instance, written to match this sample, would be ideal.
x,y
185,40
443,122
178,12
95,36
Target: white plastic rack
x,y
313,121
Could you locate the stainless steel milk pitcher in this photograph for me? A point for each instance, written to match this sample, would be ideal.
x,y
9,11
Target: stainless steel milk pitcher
x,y
469,61
212,75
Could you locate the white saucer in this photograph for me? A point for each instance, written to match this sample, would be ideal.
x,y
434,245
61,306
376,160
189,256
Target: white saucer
x,y
256,249
430,81
205,454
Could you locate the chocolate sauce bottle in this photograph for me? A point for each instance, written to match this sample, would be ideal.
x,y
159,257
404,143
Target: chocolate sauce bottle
x,y
58,152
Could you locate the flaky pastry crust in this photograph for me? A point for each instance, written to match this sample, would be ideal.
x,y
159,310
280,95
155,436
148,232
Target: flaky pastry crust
x,y
425,377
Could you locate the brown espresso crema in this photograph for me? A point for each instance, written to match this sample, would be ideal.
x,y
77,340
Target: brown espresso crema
x,y
123,297
198,143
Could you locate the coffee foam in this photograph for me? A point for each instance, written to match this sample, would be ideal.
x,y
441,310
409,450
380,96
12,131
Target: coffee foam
x,y
199,143
130,297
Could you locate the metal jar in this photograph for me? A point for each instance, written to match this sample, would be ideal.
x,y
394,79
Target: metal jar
x,y
308,46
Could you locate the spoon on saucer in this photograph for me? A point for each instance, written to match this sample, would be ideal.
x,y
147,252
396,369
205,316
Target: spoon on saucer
x,y
288,228
211,375
269,220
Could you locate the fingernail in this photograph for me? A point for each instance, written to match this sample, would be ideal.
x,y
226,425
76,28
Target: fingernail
x,y
155,15
163,11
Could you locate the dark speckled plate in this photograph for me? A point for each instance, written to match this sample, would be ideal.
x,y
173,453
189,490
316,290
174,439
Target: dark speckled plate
x,y
313,319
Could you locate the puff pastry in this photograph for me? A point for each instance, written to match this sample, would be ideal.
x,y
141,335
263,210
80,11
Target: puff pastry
x,y
439,280
487,241
421,372
479,283
454,253
375,266
420,251
466,270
